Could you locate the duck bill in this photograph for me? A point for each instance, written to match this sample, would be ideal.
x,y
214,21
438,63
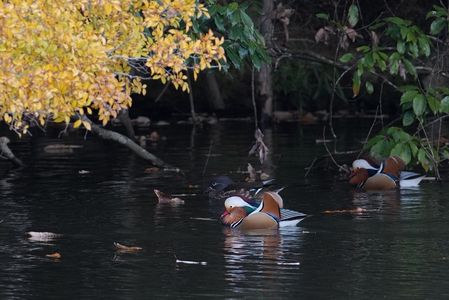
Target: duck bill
x,y
224,214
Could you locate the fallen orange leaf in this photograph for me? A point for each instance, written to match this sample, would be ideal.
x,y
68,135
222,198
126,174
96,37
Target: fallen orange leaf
x,y
124,248
355,210
55,255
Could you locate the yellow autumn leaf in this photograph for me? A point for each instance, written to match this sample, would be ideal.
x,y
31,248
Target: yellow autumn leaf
x,y
77,123
71,57
87,125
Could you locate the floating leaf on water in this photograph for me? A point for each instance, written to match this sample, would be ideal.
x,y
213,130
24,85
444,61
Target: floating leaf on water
x,y
190,262
203,219
151,170
164,198
128,249
355,210
322,141
61,148
55,255
42,236
281,263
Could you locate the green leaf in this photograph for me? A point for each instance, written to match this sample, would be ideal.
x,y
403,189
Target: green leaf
x,y
232,7
363,49
235,19
398,134
369,87
422,156
353,15
322,16
403,151
394,67
444,105
243,52
437,25
356,81
408,118
219,23
398,21
383,55
400,46
411,36
419,105
409,67
433,103
369,59
374,140
424,45
232,55
382,65
413,47
408,96
246,20
380,148
257,61
346,57
413,147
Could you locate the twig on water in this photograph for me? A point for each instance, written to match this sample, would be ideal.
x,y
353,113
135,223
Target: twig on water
x,y
369,132
189,262
309,168
207,159
340,167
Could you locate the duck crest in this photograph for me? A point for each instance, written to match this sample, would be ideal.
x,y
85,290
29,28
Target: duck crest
x,y
271,204
393,166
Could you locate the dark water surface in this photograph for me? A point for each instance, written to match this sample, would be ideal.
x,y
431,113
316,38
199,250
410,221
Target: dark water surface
x,y
398,248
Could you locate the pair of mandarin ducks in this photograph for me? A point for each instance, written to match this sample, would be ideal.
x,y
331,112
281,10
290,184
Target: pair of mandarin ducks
x,y
259,209
251,206
388,175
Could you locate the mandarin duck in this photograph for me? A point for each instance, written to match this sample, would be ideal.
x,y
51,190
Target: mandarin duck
x,y
388,175
222,187
268,215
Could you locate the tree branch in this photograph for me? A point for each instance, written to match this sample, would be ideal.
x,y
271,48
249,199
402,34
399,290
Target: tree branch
x,y
125,141
7,153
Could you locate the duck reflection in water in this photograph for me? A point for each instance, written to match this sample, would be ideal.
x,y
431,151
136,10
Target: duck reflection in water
x,y
249,257
257,259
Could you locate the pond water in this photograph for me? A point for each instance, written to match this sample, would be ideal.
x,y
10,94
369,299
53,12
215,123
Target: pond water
x,y
397,248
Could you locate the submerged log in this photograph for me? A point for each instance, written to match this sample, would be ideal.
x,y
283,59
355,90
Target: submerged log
x,y
7,153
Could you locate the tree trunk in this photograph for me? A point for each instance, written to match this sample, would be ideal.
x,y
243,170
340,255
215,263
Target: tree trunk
x,y
264,78
266,93
215,98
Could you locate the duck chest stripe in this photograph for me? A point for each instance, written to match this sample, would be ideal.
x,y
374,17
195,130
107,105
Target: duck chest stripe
x,y
235,224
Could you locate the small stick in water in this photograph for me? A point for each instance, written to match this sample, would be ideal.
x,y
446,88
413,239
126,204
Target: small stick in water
x,y
190,262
